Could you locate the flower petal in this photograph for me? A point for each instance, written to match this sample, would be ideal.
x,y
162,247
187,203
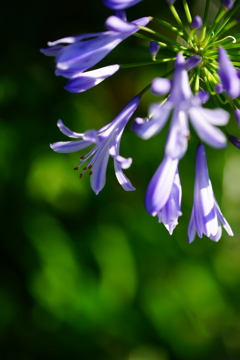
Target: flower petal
x,y
228,74
160,186
114,23
66,131
89,79
70,146
208,133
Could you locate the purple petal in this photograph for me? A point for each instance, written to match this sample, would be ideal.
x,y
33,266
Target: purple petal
x,y
208,133
203,96
70,146
223,220
177,141
66,131
237,116
122,179
192,228
154,48
114,23
98,177
160,186
91,135
119,4
123,162
90,79
193,61
53,51
228,74
152,127
213,116
181,90
73,39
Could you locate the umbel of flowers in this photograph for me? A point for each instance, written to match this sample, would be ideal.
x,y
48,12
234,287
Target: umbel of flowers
x,y
204,64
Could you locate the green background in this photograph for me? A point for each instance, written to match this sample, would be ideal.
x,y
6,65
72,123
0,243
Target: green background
x,y
96,277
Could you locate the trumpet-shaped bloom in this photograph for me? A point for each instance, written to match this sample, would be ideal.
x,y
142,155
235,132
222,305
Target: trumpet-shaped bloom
x,y
120,4
164,194
206,217
183,105
106,143
84,51
228,74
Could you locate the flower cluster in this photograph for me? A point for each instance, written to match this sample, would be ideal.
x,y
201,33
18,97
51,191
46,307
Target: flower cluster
x,y
205,64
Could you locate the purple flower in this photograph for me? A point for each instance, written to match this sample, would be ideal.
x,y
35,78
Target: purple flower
x,y
120,4
228,74
206,217
106,143
89,79
183,105
164,194
197,22
154,48
84,51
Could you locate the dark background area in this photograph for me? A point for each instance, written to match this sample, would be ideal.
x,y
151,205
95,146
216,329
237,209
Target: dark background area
x,y
95,277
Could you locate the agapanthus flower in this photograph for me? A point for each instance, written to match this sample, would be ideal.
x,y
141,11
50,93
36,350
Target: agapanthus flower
x,y
206,217
106,143
164,194
183,105
120,4
228,74
84,51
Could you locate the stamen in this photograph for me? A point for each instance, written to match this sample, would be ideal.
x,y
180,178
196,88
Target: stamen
x,y
76,168
89,167
90,173
81,175
82,157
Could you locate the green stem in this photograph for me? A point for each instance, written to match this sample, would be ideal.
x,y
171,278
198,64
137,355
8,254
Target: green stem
x,y
175,43
150,39
178,20
204,28
187,11
215,23
221,27
169,26
159,61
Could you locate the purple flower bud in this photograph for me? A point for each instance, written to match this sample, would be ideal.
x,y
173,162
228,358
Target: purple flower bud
x,y
234,140
237,116
161,86
227,4
197,22
219,88
193,61
154,49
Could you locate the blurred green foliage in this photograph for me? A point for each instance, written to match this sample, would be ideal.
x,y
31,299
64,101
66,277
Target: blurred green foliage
x,y
95,277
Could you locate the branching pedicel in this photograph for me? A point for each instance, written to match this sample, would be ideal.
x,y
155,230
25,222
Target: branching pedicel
x,y
207,65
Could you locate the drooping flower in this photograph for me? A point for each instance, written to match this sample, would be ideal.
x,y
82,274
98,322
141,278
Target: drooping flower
x,y
206,217
84,51
106,143
228,74
120,4
183,105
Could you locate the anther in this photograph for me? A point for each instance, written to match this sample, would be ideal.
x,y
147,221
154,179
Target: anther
x,y
90,173
85,168
76,168
89,167
81,175
82,157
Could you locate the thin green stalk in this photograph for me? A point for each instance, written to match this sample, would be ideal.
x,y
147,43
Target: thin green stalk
x,y
150,39
204,28
215,23
177,18
169,26
221,28
146,63
175,43
187,11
